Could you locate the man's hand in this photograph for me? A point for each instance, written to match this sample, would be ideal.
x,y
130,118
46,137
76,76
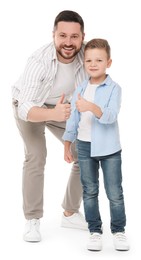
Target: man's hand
x,y
62,111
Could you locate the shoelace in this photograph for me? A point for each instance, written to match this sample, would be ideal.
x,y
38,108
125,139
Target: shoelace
x,y
33,223
95,236
120,236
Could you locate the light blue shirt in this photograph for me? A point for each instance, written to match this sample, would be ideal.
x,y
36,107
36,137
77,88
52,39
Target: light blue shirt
x,y
105,137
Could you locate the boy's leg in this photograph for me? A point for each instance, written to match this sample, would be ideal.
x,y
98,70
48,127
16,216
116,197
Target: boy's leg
x,y
111,166
89,172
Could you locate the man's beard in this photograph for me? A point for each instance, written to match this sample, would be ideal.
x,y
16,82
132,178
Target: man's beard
x,y
67,56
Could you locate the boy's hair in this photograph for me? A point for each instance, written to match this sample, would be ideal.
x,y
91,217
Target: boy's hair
x,y
69,16
99,44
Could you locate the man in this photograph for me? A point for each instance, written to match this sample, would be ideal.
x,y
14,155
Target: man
x,y
40,99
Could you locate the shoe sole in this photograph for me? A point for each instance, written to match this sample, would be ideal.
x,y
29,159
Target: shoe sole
x,y
94,249
32,240
75,227
122,249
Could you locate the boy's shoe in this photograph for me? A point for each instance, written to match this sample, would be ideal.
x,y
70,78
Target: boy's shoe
x,y
32,232
74,221
120,241
95,242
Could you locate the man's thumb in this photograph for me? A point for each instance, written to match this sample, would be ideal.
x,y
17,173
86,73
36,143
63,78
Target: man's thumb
x,y
61,99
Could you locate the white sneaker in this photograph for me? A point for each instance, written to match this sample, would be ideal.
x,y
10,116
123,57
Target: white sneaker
x,y
32,233
95,242
120,241
74,221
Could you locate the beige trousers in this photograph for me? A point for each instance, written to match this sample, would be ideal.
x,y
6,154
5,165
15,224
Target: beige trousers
x,y
33,135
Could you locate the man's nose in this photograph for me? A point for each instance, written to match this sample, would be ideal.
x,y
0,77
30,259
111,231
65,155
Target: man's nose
x,y
68,41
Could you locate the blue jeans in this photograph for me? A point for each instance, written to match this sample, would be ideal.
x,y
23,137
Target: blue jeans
x,y
112,175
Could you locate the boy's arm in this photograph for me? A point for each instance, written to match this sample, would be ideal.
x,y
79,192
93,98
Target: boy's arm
x,y
83,105
68,157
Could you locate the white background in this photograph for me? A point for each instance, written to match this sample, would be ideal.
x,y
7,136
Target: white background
x,y
24,27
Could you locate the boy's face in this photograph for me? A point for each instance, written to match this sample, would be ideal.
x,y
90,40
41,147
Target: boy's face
x,y
96,62
68,39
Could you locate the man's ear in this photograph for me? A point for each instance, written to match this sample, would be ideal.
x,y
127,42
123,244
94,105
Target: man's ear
x,y
53,34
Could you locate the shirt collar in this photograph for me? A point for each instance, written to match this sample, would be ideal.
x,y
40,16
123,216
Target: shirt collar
x,y
54,56
107,81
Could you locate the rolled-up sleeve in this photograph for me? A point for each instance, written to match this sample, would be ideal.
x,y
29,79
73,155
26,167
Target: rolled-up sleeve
x,y
70,133
111,110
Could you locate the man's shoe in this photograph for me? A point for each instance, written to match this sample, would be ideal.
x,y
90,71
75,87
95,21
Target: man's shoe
x,y
32,233
95,242
120,241
74,221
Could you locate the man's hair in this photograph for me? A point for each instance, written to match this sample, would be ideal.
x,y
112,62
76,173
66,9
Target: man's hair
x,y
69,16
99,44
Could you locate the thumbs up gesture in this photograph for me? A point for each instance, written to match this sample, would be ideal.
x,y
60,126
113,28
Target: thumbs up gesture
x,y
62,111
61,99
81,104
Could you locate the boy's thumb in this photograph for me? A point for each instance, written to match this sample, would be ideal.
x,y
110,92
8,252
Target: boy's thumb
x,y
79,96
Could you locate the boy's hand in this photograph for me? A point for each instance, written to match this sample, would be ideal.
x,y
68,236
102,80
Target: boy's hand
x,y
68,157
82,104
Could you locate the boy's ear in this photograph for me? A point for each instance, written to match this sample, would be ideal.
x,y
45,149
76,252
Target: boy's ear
x,y
109,63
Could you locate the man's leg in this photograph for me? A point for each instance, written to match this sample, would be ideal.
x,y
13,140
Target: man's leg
x,y
73,196
33,135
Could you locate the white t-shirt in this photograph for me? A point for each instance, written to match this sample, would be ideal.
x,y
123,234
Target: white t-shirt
x,y
84,129
64,83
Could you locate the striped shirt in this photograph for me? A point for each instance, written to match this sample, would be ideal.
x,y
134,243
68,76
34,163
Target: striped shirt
x,y
36,82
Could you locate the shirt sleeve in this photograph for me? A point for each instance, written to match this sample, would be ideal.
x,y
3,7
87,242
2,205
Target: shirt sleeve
x,y
30,87
70,133
111,110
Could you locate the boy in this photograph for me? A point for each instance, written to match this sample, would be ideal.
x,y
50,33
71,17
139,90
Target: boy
x,y
93,122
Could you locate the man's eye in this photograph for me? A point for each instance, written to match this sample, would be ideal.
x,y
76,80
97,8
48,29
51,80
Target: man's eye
x,y
62,36
75,36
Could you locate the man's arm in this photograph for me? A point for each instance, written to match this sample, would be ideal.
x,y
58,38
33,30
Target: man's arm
x,y
60,113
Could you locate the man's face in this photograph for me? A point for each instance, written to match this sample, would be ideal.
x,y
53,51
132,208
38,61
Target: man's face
x,y
68,39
